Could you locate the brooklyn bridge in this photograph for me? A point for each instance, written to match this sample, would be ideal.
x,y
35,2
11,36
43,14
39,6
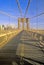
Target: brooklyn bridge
x,y
22,45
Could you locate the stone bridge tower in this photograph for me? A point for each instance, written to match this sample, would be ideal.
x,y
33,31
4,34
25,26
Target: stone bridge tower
x,y
23,21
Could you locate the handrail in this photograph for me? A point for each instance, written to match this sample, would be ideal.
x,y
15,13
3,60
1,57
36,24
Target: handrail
x,y
6,34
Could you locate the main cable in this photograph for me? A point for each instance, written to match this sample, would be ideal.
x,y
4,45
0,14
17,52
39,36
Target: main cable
x,y
27,8
19,7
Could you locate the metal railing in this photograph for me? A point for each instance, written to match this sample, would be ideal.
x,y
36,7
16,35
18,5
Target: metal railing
x,y
4,38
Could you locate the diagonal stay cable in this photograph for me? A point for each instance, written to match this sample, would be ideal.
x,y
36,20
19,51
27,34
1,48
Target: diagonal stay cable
x,y
37,15
4,13
19,7
27,8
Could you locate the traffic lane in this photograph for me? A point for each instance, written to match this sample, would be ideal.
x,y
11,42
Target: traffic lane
x,y
9,50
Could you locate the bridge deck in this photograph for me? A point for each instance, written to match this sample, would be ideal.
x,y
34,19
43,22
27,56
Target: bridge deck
x,y
22,45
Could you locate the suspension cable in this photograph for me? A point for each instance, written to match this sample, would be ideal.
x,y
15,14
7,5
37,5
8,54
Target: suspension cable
x,y
37,15
27,8
19,7
4,13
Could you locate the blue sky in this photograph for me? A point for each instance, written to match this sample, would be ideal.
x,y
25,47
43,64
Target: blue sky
x,y
10,7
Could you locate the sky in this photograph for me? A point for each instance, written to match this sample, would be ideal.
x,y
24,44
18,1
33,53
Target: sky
x,y
10,7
